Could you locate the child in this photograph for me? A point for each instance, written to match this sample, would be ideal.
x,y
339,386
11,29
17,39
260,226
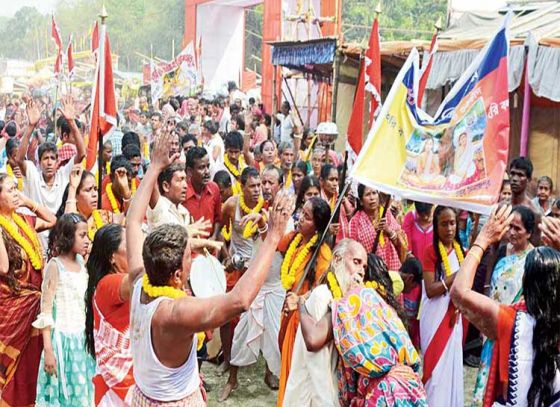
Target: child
x,y
411,273
66,370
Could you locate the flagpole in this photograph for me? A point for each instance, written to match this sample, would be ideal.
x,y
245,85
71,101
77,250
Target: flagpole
x,y
101,89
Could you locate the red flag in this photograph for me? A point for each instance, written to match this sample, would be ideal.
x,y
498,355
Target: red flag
x,y
373,71
70,57
356,123
104,107
95,38
55,33
425,73
58,63
369,79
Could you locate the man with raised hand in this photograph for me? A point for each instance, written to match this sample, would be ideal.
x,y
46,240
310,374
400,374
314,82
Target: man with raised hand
x,y
164,319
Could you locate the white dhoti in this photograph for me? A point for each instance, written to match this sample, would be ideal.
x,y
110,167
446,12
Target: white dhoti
x,y
258,328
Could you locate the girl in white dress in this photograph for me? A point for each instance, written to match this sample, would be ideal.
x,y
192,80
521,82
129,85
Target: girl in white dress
x,y
66,370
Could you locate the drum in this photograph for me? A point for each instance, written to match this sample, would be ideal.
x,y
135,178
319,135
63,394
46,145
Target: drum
x,y
207,276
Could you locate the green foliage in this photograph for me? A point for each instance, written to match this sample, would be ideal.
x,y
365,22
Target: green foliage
x,y
137,26
399,19
134,26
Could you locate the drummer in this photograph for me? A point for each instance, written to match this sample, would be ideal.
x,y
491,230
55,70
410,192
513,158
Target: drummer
x,y
240,231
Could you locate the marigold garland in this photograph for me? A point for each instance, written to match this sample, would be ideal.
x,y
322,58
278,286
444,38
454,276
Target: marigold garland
x,y
333,285
250,228
290,265
376,286
445,258
97,224
170,292
226,233
112,199
10,172
235,171
236,188
31,245
111,195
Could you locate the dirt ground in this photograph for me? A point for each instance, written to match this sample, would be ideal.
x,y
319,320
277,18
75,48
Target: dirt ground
x,y
252,392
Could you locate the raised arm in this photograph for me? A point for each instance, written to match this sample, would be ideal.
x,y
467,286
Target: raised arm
x,y
139,205
69,112
71,205
193,314
477,308
45,218
33,116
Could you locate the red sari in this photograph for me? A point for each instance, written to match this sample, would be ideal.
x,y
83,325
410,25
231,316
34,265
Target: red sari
x,y
20,344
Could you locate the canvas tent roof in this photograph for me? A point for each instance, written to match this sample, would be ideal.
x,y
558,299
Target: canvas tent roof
x,y
534,38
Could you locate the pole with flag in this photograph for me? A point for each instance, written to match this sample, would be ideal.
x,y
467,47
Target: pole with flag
x,y
70,59
55,34
104,108
370,80
425,73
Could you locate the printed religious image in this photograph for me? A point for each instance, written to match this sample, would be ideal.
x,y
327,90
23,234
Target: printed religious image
x,y
449,158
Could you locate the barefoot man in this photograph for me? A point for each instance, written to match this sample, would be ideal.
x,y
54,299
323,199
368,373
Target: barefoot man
x,y
164,319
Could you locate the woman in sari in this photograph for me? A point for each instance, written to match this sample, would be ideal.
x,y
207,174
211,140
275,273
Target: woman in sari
x,y
329,192
298,248
81,197
108,317
21,264
506,282
370,220
524,369
441,327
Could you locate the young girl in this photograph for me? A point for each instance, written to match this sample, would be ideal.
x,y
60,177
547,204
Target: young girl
x,y
66,369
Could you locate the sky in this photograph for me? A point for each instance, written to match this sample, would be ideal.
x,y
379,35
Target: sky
x,y
9,7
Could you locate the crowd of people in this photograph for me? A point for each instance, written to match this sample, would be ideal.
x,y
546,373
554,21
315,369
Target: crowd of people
x,y
352,297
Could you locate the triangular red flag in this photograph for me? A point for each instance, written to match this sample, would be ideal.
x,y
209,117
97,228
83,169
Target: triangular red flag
x,y
425,73
356,124
104,107
70,57
55,33
95,38
373,71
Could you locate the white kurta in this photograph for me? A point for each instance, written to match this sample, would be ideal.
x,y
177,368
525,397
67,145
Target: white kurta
x,y
312,380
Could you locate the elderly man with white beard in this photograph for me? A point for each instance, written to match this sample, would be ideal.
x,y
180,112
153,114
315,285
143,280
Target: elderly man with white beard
x,y
312,380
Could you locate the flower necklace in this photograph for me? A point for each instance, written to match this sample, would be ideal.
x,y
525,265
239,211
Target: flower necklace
x,y
333,285
170,292
445,258
97,224
376,286
112,199
226,233
10,172
250,228
235,171
290,265
31,245
111,195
